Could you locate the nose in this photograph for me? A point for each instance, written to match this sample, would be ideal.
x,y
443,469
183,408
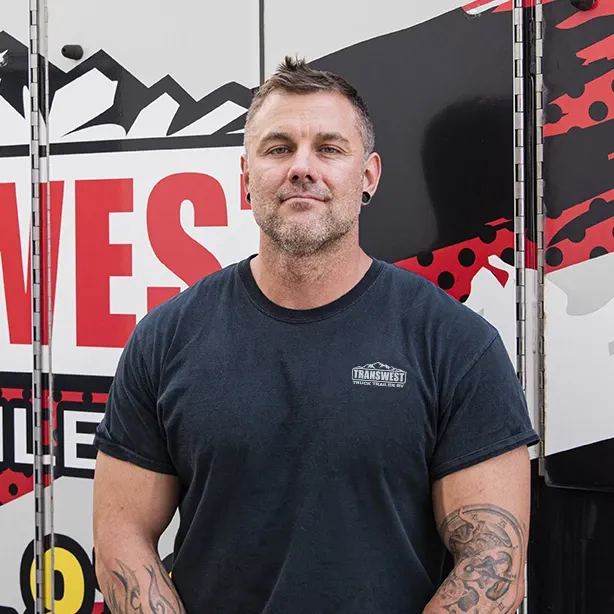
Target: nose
x,y
302,167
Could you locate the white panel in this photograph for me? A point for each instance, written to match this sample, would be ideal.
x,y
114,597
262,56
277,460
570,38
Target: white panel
x,y
14,20
128,295
202,45
322,27
496,303
580,354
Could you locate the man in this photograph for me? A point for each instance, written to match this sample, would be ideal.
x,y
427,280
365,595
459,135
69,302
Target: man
x,y
326,423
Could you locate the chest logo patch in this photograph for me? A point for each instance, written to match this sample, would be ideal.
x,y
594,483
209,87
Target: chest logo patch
x,y
379,374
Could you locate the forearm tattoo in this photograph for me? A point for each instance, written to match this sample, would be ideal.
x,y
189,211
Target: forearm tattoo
x,y
488,546
124,595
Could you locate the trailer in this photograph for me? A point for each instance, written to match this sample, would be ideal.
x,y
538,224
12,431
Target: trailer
x,y
121,129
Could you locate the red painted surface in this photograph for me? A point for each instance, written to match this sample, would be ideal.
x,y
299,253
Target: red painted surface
x,y
447,263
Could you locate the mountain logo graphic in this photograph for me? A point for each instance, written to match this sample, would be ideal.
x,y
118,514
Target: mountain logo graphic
x,y
99,106
379,374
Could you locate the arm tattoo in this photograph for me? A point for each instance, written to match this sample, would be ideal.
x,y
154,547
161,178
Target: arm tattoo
x,y
488,547
126,597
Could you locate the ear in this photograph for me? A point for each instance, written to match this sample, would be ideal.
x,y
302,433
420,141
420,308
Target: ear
x,y
245,172
372,173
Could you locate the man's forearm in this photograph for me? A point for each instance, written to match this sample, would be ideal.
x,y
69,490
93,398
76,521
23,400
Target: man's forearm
x,y
138,583
488,545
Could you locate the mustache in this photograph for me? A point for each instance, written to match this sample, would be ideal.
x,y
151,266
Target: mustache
x,y
319,193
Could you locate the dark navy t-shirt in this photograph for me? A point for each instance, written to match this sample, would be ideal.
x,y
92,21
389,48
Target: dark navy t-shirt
x,y
306,442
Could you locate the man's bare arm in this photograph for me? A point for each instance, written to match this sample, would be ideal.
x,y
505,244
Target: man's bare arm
x,y
126,593
483,517
132,507
487,544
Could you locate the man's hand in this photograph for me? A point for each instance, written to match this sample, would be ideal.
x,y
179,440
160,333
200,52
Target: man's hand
x,y
483,517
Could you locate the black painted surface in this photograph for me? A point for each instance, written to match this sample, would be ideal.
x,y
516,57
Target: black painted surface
x,y
589,467
571,568
440,94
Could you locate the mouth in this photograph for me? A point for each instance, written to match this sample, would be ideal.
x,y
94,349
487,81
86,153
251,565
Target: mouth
x,y
303,197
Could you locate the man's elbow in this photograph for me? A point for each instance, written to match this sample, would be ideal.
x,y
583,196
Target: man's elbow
x,y
520,595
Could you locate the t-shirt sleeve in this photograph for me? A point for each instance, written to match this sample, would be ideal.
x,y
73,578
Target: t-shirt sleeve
x,y
484,414
131,429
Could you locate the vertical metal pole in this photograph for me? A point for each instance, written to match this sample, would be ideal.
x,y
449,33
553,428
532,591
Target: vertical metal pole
x,y
528,151
37,355
520,213
261,32
49,512
540,212
519,192
37,33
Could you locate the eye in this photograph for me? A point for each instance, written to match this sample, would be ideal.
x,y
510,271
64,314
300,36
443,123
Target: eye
x,y
281,149
329,149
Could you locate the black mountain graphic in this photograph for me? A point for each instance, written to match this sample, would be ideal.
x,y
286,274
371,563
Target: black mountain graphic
x,y
14,72
131,96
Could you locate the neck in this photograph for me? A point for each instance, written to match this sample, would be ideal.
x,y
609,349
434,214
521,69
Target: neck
x,y
307,282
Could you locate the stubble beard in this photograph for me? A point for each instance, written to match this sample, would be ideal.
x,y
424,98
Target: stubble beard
x,y
301,238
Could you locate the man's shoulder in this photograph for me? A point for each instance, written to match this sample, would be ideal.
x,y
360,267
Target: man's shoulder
x,y
440,318
192,303
426,297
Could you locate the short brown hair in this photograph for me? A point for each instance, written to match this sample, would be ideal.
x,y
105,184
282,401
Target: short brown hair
x,y
296,77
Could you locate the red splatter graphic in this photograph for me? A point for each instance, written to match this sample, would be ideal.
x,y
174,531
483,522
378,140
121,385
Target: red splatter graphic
x,y
75,397
603,8
99,397
98,608
595,106
583,232
595,240
603,49
498,6
11,393
508,6
14,485
453,268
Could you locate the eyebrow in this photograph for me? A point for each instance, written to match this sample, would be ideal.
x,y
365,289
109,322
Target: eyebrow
x,y
334,137
321,137
275,136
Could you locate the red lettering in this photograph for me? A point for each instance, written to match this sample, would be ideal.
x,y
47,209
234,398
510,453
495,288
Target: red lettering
x,y
156,296
97,260
175,249
56,192
17,291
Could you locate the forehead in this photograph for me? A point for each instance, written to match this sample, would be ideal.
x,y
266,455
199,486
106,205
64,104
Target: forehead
x,y
306,114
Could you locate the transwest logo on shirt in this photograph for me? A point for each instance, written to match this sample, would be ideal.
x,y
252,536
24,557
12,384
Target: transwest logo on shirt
x,y
379,374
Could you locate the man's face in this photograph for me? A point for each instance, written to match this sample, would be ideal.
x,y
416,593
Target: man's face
x,y
305,170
